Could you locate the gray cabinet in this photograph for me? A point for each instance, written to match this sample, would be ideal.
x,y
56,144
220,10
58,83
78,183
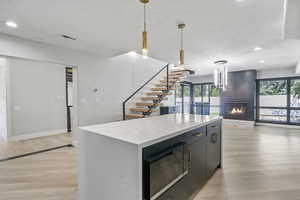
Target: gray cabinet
x,y
213,148
201,153
197,164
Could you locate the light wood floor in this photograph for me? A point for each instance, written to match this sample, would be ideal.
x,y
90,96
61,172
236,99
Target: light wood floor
x,y
10,149
259,164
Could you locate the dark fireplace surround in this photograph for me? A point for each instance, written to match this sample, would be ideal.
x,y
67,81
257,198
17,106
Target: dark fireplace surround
x,y
238,100
237,110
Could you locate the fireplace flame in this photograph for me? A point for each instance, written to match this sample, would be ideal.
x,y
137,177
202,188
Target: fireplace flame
x,y
236,111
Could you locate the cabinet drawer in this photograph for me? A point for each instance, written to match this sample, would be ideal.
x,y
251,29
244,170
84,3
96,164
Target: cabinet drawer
x,y
196,134
213,127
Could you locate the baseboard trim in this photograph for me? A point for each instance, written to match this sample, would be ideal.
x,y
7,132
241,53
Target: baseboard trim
x,y
278,125
36,135
239,123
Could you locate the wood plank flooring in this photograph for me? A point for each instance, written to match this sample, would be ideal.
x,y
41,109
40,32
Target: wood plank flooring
x,y
262,163
45,176
259,164
10,149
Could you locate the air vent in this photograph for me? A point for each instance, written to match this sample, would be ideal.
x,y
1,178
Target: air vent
x,y
68,37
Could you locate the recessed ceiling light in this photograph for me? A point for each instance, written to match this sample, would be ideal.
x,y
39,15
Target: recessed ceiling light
x,y
262,61
68,37
11,24
257,49
239,1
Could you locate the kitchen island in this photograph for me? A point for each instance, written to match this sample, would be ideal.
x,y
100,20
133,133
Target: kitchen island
x,y
163,157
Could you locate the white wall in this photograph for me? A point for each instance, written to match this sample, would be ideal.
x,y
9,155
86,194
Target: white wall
x,y
115,78
261,74
3,121
201,79
38,102
276,73
297,71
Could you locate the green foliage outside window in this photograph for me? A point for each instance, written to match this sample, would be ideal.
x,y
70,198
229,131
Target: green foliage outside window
x,y
278,87
295,88
178,91
214,92
186,91
197,91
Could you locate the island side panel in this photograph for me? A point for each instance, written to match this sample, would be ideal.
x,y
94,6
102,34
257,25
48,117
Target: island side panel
x,y
108,168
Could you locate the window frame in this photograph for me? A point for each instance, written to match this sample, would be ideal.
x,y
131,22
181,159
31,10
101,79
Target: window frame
x,y
209,84
288,107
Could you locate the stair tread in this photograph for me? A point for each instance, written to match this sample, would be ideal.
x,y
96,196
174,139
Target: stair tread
x,y
159,93
170,81
180,70
161,88
148,104
153,98
140,109
135,116
173,77
176,74
163,85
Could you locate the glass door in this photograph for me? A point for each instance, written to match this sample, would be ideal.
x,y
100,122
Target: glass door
x,y
183,98
206,99
186,98
179,98
197,96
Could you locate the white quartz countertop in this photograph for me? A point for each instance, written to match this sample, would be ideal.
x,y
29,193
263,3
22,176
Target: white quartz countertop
x,y
148,131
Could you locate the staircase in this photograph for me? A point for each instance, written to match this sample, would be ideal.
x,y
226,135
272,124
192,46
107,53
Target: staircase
x,y
153,98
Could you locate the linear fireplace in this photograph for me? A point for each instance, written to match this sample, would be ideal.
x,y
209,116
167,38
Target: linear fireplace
x,y
236,111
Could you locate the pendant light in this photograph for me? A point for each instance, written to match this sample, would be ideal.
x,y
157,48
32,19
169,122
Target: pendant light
x,y
221,74
181,50
145,33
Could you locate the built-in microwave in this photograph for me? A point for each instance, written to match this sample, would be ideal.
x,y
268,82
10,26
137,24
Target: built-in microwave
x,y
164,169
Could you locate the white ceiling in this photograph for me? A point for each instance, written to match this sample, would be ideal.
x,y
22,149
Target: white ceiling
x,y
216,29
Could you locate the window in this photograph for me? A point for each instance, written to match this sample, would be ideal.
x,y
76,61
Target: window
x,y
279,100
186,98
279,115
214,101
183,98
273,93
206,99
179,98
295,93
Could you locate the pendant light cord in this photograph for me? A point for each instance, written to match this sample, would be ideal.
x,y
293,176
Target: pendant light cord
x,y
145,26
181,42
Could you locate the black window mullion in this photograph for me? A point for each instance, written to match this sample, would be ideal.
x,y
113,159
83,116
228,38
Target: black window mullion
x,y
182,99
288,100
257,99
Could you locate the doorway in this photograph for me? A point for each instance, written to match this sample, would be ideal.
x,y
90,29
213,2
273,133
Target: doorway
x,y
184,98
3,102
69,98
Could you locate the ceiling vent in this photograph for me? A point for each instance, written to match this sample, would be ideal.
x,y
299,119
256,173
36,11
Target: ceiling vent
x,y
68,37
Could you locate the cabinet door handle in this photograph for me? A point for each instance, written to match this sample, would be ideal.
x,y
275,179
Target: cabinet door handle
x,y
214,138
199,134
190,155
214,126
